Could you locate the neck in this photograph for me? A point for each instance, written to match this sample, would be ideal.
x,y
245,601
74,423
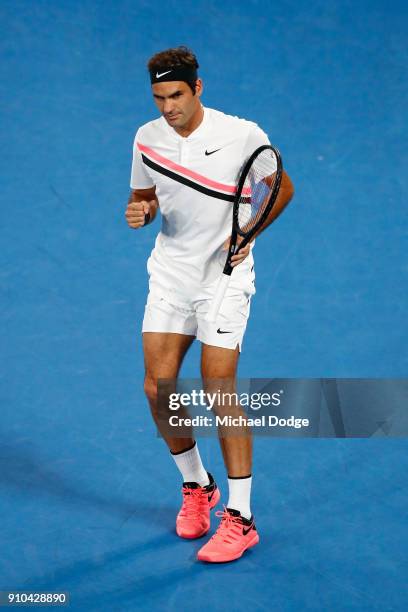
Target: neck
x,y
193,124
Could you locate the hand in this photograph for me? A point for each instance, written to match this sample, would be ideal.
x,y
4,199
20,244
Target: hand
x,y
136,211
241,255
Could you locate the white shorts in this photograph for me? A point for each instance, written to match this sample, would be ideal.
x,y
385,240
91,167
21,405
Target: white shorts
x,y
164,313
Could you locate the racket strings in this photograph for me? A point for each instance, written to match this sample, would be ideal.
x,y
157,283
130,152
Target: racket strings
x,y
258,187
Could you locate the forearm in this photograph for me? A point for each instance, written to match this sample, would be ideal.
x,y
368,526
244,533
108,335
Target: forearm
x,y
284,196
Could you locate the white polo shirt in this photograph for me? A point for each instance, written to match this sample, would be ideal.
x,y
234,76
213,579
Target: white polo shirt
x,y
195,179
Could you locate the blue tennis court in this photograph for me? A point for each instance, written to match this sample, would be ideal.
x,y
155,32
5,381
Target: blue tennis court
x,y
88,494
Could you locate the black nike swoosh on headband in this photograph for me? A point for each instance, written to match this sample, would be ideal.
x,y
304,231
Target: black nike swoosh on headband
x,y
185,181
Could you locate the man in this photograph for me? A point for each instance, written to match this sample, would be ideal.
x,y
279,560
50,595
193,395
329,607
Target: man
x,y
187,162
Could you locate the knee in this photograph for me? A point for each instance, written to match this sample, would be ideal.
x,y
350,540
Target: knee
x,y
150,388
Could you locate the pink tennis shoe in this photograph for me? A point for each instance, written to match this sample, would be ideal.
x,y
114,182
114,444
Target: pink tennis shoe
x,y
193,520
233,537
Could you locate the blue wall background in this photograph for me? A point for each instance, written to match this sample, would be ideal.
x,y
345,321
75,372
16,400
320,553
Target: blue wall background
x,y
326,81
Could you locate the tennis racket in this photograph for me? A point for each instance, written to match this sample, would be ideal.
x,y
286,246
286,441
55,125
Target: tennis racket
x,y
257,189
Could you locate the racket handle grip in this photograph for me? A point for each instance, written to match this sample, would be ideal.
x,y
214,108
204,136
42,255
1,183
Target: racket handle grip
x,y
218,297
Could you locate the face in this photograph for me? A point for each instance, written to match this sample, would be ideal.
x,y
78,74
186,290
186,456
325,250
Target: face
x,y
176,102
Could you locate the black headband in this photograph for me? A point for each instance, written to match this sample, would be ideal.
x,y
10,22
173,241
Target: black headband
x,y
178,73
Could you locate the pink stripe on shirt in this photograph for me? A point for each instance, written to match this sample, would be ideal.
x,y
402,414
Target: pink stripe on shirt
x,y
194,175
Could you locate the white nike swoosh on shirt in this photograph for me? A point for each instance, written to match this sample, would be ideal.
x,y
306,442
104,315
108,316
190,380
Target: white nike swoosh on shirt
x,y
161,74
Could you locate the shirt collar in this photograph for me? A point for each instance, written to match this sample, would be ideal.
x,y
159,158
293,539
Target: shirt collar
x,y
197,133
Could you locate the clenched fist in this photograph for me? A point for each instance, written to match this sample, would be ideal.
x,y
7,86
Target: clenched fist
x,y
138,214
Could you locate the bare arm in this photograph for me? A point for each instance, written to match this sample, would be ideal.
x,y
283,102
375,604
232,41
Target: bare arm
x,y
285,195
141,202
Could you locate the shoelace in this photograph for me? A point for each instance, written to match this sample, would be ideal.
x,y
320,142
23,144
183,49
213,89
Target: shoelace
x,y
192,500
230,527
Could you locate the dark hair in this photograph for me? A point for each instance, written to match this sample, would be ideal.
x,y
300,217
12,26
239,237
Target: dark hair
x,y
171,58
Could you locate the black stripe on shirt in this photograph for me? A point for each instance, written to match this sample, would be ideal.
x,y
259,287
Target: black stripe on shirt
x,y
186,181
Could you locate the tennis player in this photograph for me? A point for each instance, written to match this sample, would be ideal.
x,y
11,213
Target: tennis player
x,y
187,163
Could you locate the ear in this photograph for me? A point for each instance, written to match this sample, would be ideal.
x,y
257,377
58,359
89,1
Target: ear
x,y
199,87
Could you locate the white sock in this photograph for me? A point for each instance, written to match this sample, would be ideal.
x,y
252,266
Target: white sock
x,y
190,465
240,495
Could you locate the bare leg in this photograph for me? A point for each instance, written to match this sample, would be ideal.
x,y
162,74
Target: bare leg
x,y
220,363
163,355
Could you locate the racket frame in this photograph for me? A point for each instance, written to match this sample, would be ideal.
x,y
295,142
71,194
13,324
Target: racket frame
x,y
236,231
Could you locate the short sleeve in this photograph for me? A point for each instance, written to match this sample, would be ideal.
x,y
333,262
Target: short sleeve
x,y
140,178
256,138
